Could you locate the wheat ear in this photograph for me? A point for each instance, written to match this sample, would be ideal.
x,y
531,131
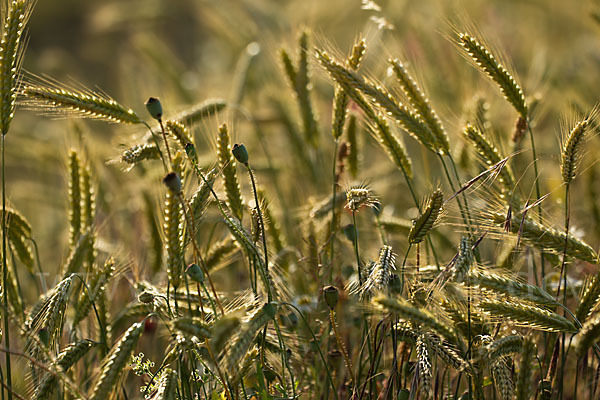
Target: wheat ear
x,y
200,111
421,104
167,387
423,224
590,295
65,360
55,98
11,52
490,155
228,167
502,379
572,149
528,316
116,361
545,238
423,368
416,315
74,198
511,287
340,100
496,71
353,84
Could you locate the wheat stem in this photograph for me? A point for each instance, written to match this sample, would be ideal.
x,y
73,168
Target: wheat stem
x,y
333,222
264,233
5,271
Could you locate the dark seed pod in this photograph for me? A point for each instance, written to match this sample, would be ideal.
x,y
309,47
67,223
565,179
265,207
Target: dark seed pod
x,y
270,309
146,297
190,150
331,295
195,273
240,153
173,182
154,108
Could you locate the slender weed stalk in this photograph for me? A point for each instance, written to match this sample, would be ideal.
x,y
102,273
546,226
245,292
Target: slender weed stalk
x,y
340,104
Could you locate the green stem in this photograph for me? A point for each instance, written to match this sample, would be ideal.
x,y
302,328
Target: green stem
x,y
356,248
402,269
333,190
464,196
563,276
418,205
460,206
264,233
537,186
98,319
162,158
284,359
164,135
5,274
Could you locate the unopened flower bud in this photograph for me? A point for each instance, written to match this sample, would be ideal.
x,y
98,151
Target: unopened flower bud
x,y
146,297
173,182
195,273
331,295
154,108
270,309
190,150
240,153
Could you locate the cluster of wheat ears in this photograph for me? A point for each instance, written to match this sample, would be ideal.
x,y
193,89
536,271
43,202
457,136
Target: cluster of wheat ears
x,y
315,318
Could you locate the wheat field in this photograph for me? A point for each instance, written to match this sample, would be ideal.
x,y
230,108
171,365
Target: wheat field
x,y
258,199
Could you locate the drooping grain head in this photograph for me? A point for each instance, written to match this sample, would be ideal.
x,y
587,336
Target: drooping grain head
x,y
56,98
495,71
